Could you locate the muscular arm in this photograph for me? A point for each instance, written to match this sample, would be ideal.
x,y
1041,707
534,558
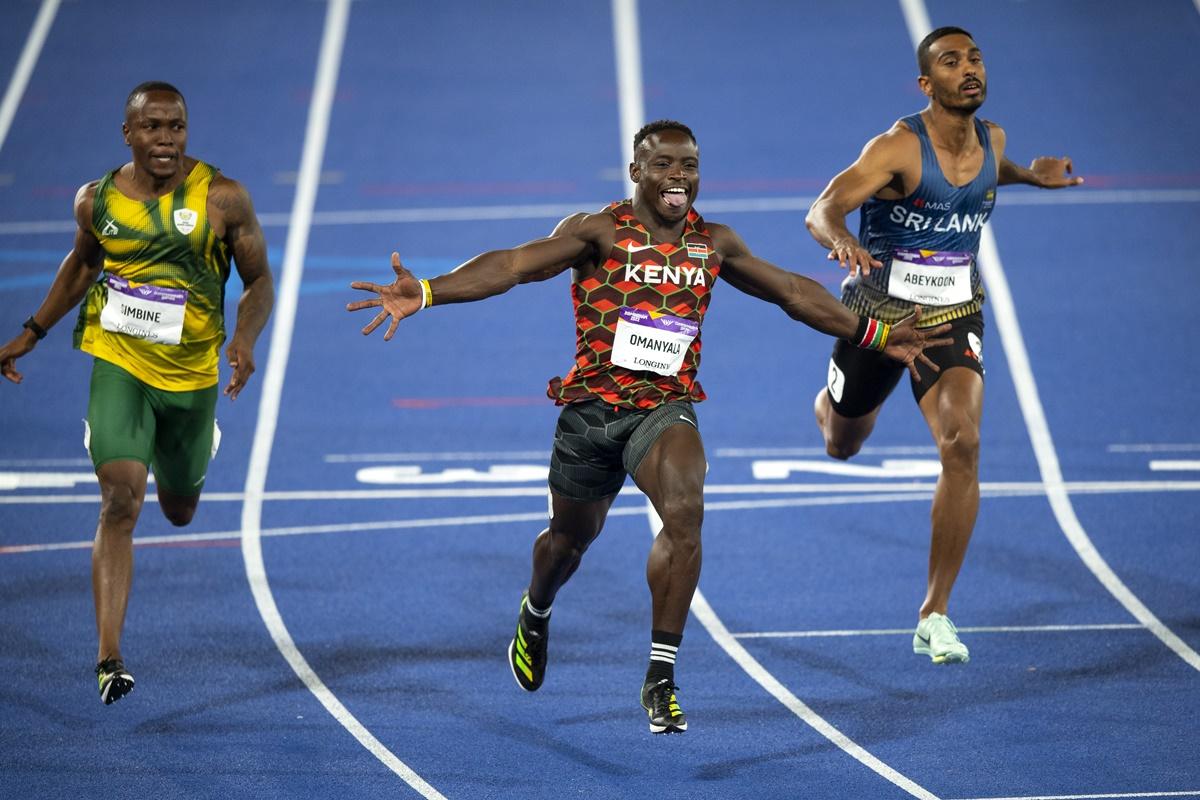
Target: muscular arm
x,y
881,164
1044,172
807,301
244,237
77,272
801,298
575,242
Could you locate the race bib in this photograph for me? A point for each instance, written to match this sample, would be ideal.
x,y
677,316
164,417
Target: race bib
x,y
146,311
931,277
652,342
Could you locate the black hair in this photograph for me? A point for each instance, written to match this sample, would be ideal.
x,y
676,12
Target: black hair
x,y
658,126
926,43
152,86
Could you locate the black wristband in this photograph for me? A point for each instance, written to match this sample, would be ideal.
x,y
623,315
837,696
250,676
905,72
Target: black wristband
x,y
38,331
863,322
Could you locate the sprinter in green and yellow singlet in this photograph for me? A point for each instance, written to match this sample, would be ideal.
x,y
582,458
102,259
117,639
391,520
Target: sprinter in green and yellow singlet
x,y
148,270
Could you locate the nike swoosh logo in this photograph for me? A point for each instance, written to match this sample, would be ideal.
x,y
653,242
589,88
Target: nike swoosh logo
x,y
688,421
924,639
634,248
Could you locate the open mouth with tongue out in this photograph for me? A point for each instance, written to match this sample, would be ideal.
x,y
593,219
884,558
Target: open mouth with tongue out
x,y
675,197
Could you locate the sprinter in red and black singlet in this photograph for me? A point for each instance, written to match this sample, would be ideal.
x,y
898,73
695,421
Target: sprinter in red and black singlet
x,y
666,280
926,188
643,271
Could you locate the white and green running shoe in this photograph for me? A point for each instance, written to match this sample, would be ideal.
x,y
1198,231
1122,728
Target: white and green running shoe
x,y
937,638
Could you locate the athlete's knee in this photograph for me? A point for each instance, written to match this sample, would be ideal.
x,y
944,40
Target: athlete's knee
x,y
959,447
179,515
120,506
842,449
682,514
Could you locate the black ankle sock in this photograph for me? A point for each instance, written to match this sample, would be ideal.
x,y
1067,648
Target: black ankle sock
x,y
663,646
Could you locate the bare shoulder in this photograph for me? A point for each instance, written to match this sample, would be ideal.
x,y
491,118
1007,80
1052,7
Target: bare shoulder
x,y
85,200
726,240
897,143
590,227
999,137
229,201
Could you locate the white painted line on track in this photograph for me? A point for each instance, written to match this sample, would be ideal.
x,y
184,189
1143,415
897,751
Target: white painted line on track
x,y
486,519
1174,466
25,65
1178,447
1013,341
627,50
1116,796
700,608
325,83
556,211
995,489
1114,626
1047,456
482,455
706,616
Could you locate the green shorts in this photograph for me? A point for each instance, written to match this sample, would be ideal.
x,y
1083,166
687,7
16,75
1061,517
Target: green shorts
x,y
174,433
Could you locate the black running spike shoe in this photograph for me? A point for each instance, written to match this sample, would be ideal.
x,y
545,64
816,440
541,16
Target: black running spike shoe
x,y
115,681
665,714
527,652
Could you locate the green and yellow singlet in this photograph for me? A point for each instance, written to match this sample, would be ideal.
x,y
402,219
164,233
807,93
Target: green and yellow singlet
x,y
158,308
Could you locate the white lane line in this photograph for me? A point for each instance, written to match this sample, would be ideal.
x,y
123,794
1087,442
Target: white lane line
x,y
488,519
1176,447
704,614
1114,796
628,53
700,608
729,205
481,455
995,489
994,278
25,65
328,64
1113,626
1047,457
1174,466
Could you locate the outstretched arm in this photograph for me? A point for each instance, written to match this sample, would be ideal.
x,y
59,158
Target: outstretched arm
x,y
245,239
77,272
1044,172
573,243
807,301
880,164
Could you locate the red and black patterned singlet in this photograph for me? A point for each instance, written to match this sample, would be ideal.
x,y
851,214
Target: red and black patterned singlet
x,y
662,279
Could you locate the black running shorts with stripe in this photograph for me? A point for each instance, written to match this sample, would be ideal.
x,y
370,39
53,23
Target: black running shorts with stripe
x,y
860,380
596,445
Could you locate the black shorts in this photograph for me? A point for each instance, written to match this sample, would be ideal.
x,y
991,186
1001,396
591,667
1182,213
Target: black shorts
x,y
860,380
596,445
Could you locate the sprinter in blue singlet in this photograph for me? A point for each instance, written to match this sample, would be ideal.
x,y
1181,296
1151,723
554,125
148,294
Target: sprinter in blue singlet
x,y
924,188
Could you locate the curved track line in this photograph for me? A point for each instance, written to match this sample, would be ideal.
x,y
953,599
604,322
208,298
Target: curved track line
x,y
1011,338
333,39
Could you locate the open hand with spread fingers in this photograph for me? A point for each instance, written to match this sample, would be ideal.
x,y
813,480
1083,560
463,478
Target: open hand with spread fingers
x,y
401,298
906,342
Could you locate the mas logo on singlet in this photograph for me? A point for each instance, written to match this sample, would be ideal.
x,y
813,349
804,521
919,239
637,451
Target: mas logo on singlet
x,y
185,220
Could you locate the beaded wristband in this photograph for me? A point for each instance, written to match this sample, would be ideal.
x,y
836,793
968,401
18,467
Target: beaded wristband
x,y
872,334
